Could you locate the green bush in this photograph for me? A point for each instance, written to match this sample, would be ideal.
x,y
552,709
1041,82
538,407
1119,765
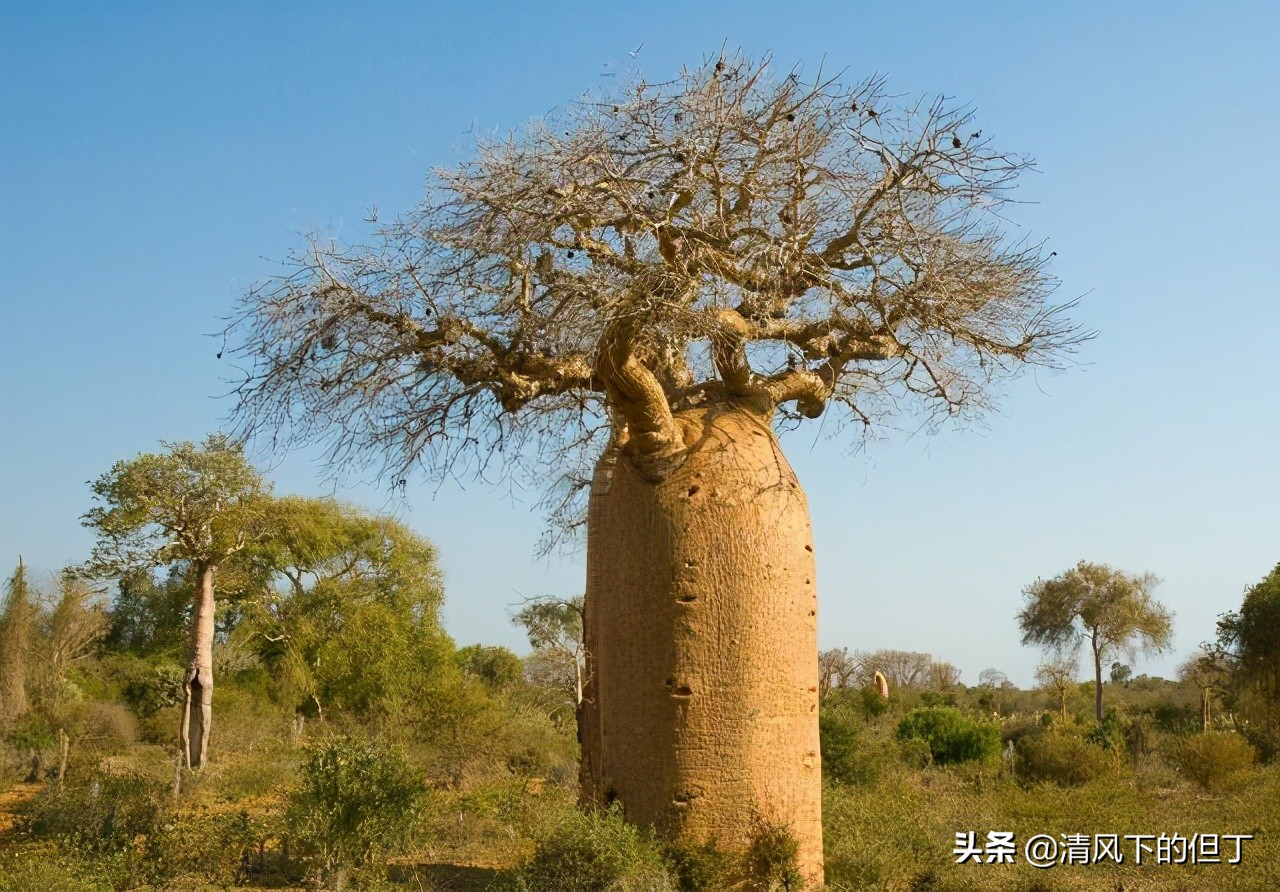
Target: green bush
x,y
1110,733
1174,719
915,753
773,859
849,754
701,867
1217,760
593,853
952,736
358,800
29,732
146,685
1063,759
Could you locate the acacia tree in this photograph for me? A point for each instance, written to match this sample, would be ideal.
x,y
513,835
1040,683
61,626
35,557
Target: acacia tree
x,y
651,282
1110,610
349,615
192,504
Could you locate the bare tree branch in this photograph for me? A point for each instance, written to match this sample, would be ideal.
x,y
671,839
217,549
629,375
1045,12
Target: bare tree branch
x,y
729,235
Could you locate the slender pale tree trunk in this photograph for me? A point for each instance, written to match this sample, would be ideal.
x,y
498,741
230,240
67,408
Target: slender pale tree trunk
x,y
197,705
1097,682
700,713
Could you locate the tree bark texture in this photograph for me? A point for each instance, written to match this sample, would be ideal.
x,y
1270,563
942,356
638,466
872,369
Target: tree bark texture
x,y
197,705
700,713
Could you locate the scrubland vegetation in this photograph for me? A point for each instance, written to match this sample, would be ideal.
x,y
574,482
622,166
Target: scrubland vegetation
x,y
356,746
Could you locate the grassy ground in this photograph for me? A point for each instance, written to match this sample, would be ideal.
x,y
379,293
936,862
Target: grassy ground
x,y
900,834
897,834
892,828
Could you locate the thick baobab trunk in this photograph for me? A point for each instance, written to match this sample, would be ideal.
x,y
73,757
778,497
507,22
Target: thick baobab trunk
x,y
700,713
197,703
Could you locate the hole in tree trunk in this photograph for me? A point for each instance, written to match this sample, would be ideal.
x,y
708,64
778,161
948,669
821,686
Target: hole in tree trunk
x,y
683,691
195,726
693,490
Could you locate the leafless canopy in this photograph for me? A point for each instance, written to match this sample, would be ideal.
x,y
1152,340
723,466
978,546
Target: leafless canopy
x,y
732,235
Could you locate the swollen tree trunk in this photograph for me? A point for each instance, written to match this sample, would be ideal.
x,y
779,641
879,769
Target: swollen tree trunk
x,y
700,713
197,703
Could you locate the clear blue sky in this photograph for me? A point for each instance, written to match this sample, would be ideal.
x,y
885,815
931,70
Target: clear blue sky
x,y
154,158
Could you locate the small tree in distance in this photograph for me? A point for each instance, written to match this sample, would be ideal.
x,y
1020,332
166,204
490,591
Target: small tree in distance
x,y
194,505
15,646
555,630
1057,674
1107,609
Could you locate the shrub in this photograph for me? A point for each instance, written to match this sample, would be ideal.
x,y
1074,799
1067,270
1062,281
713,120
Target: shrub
x,y
145,685
1175,719
1063,759
1217,760
1110,732
773,859
849,755
592,853
701,867
358,800
915,753
212,848
951,735
29,732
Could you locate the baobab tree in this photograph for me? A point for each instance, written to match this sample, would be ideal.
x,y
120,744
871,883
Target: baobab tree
x,y
630,298
192,505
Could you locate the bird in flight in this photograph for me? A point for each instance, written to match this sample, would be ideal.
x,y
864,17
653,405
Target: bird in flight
x,y
635,52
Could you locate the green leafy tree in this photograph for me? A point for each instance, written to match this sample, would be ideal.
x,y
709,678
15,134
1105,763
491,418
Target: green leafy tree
x,y
349,614
149,615
1249,643
15,644
1109,610
497,667
192,504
